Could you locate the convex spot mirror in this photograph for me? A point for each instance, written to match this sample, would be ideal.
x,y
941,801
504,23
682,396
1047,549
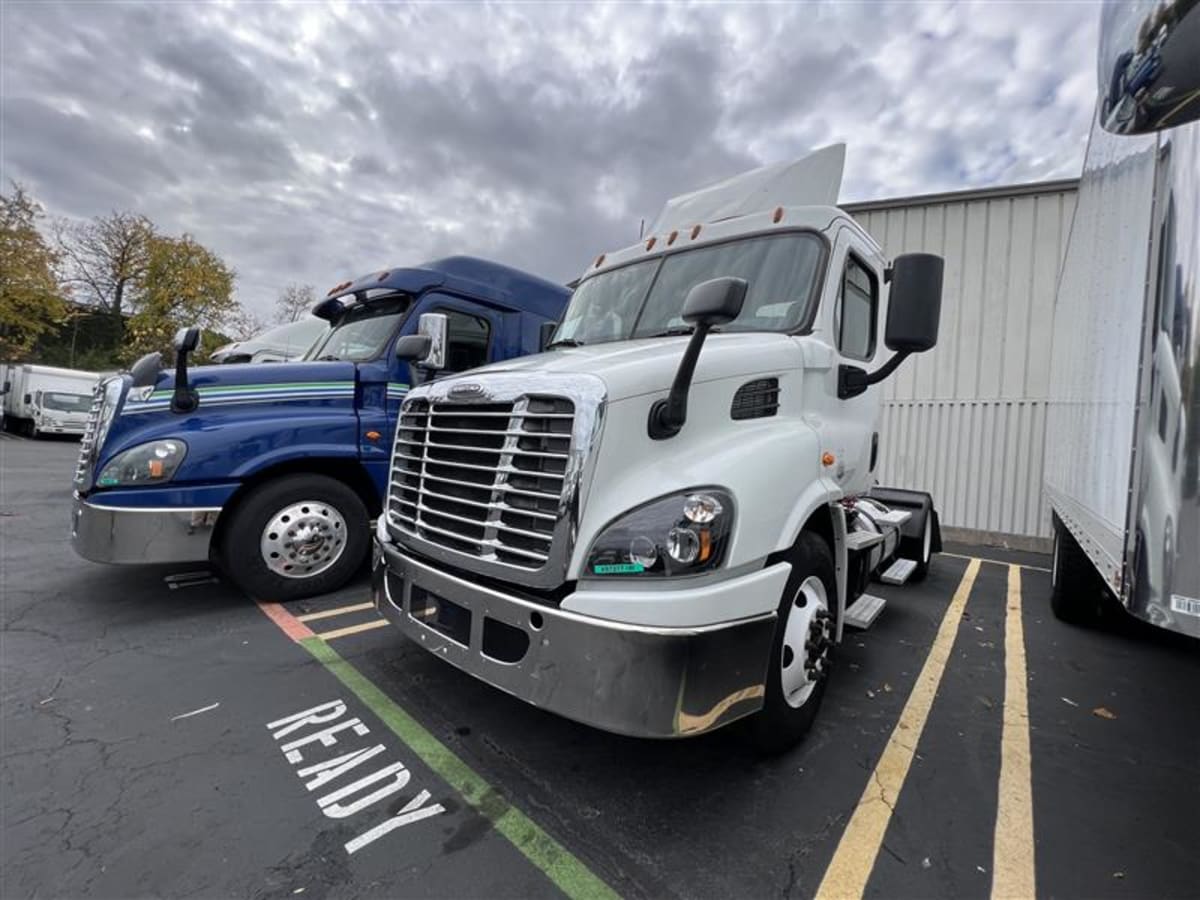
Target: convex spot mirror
x,y
914,303
715,302
1149,65
187,339
426,348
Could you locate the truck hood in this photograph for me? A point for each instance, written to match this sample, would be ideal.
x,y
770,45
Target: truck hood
x,y
648,365
246,374
239,382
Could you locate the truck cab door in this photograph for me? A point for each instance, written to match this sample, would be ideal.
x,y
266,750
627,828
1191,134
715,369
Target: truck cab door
x,y
472,340
855,322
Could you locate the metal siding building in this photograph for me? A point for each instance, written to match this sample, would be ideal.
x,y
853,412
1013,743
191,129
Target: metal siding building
x,y
967,420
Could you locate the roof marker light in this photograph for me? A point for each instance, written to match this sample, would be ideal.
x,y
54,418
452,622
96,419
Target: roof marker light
x,y
671,239
599,261
695,231
650,243
383,275
778,214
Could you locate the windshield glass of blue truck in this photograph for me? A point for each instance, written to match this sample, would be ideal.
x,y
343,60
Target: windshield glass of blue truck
x,y
646,299
363,331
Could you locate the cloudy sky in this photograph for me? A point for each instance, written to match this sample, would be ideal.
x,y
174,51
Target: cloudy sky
x,y
309,142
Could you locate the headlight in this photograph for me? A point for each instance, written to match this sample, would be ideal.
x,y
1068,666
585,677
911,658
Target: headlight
x,y
151,463
682,534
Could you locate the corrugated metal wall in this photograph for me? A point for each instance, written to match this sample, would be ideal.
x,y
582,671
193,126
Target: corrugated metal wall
x,y
966,421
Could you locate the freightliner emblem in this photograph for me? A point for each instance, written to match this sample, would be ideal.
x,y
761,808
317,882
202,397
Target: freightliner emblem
x,y
466,389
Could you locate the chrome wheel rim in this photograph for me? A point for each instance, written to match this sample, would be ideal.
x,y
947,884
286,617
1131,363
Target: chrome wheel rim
x,y
807,641
303,539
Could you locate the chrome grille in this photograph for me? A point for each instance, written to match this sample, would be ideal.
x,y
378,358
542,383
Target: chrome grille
x,y
485,479
87,444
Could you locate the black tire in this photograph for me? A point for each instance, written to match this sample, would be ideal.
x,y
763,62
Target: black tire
x,y
1076,589
779,725
242,557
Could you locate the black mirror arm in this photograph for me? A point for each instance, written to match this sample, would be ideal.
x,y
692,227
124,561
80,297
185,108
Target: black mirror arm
x,y
184,400
853,381
667,416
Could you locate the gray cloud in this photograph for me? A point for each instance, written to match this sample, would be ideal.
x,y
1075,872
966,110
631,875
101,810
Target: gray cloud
x,y
314,143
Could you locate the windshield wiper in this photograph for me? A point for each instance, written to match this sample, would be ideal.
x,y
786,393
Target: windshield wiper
x,y
328,357
565,342
672,332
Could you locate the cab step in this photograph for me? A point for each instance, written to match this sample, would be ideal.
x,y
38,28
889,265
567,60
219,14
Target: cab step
x,y
899,571
863,611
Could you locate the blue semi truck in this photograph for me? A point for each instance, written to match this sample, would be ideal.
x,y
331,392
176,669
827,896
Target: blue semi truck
x,y
273,472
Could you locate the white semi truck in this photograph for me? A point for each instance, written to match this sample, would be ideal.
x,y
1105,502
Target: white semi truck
x,y
1123,434
663,523
40,400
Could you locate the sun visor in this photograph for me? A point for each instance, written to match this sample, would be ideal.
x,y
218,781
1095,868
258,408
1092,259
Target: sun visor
x,y
813,180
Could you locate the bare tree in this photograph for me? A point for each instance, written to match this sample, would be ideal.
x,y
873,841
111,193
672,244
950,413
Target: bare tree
x,y
105,259
294,301
243,324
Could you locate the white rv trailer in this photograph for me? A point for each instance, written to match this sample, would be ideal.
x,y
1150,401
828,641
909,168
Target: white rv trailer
x,y
1123,436
41,400
663,524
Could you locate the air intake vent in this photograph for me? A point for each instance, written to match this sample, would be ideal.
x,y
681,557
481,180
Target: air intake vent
x,y
756,399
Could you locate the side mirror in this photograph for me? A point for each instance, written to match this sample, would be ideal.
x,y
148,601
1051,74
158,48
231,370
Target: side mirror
x,y
184,398
413,347
708,304
914,308
1147,68
426,348
145,370
187,339
546,334
914,303
715,302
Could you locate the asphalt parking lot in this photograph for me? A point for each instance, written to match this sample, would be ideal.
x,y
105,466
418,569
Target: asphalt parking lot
x,y
161,734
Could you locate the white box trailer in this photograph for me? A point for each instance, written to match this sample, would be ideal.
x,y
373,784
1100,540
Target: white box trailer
x,y
41,400
1123,436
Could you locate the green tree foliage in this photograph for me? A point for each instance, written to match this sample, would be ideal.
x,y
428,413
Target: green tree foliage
x,y
183,283
31,302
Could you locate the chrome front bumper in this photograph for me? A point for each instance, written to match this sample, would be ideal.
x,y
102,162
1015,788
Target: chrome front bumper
x,y
112,534
630,679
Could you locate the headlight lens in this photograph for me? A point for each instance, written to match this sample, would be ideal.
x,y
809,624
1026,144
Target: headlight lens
x,y
682,534
151,463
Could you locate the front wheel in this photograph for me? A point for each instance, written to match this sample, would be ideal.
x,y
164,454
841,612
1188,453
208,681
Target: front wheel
x,y
802,652
294,537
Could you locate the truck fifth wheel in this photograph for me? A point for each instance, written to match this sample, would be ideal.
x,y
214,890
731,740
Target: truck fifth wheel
x,y
663,523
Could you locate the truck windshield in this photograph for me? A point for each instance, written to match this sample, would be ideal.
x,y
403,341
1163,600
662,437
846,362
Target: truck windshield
x,y
66,402
363,331
646,299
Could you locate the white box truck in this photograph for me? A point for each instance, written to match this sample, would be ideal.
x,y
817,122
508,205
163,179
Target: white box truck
x,y
40,400
663,524
1123,433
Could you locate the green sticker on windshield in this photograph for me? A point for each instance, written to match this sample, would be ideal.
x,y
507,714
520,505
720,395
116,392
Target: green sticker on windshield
x,y
619,569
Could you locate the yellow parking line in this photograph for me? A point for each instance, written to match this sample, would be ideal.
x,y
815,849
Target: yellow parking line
x,y
998,562
1013,854
330,613
855,856
352,629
